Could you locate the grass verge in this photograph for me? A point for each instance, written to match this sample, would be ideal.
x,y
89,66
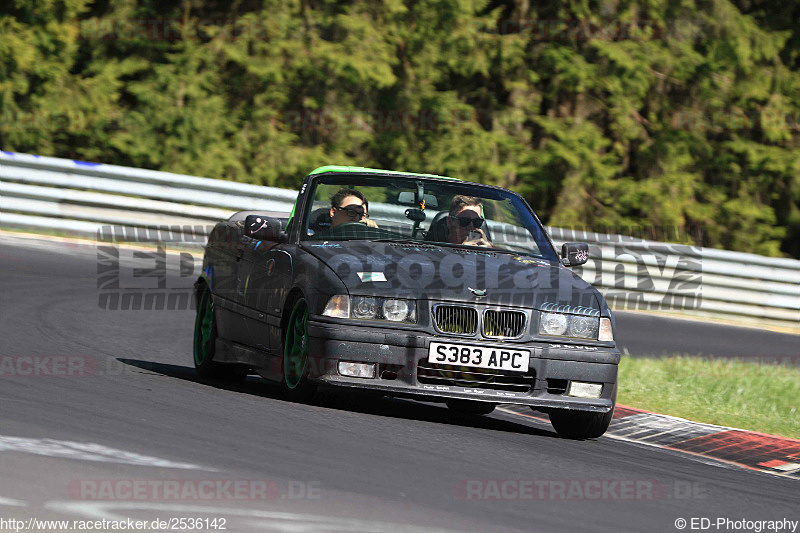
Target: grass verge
x,y
759,396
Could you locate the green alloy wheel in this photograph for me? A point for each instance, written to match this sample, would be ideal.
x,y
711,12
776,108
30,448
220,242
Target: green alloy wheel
x,y
295,354
205,338
205,334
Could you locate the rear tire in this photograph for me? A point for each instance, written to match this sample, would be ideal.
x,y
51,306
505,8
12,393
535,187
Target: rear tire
x,y
468,407
205,338
580,424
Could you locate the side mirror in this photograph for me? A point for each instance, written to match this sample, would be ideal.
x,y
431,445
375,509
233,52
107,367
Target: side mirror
x,y
262,228
574,253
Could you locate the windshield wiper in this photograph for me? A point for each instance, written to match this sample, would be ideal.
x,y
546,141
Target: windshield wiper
x,y
407,241
437,244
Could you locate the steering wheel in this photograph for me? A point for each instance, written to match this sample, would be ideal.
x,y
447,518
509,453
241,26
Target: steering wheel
x,y
353,230
349,224
346,229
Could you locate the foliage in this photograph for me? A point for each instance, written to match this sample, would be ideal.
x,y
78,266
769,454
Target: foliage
x,y
631,112
759,395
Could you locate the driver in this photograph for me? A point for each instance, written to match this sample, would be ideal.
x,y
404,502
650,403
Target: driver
x,y
465,217
350,205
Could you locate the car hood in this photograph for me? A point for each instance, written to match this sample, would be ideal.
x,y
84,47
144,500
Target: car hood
x,y
430,272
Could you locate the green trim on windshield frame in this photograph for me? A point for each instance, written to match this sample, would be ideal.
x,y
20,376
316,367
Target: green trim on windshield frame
x,y
364,170
291,215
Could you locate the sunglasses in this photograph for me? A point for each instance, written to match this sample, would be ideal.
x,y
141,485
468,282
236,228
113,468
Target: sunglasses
x,y
477,222
354,211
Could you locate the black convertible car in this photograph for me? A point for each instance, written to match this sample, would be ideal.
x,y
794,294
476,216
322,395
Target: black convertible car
x,y
409,285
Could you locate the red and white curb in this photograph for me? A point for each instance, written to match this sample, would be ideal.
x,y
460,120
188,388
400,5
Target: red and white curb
x,y
748,449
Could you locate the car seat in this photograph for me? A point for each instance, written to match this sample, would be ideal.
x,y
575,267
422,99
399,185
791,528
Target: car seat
x,y
320,219
437,231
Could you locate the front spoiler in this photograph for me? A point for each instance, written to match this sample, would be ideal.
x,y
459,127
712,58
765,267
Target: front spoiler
x,y
402,351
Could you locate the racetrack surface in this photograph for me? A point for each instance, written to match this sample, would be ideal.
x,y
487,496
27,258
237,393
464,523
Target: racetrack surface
x,y
347,464
640,334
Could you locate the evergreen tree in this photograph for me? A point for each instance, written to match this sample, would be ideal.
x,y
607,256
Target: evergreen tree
x,y
606,114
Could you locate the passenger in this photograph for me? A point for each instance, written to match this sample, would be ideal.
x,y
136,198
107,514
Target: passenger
x,y
466,216
350,205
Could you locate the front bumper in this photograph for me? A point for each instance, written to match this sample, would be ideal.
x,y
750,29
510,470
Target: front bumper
x,y
398,355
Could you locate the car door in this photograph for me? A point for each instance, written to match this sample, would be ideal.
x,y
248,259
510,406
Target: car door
x,y
224,253
265,274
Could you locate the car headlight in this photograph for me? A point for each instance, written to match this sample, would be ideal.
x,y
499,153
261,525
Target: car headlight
x,y
553,324
583,327
395,310
364,308
576,326
371,308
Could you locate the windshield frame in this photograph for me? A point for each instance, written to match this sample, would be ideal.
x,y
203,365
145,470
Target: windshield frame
x,y
388,179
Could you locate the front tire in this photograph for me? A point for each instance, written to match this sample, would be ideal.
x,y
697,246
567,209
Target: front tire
x,y
580,424
467,407
296,384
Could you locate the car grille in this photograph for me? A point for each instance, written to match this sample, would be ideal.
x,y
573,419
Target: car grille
x,y
502,323
462,376
456,319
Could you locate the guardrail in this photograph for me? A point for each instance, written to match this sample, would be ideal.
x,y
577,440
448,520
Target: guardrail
x,y
67,196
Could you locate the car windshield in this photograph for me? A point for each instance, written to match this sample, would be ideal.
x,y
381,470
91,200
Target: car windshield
x,y
442,212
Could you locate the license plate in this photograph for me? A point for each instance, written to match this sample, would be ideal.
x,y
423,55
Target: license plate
x,y
490,357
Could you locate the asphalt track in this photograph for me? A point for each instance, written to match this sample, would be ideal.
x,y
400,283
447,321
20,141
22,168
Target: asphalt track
x,y
135,413
641,334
